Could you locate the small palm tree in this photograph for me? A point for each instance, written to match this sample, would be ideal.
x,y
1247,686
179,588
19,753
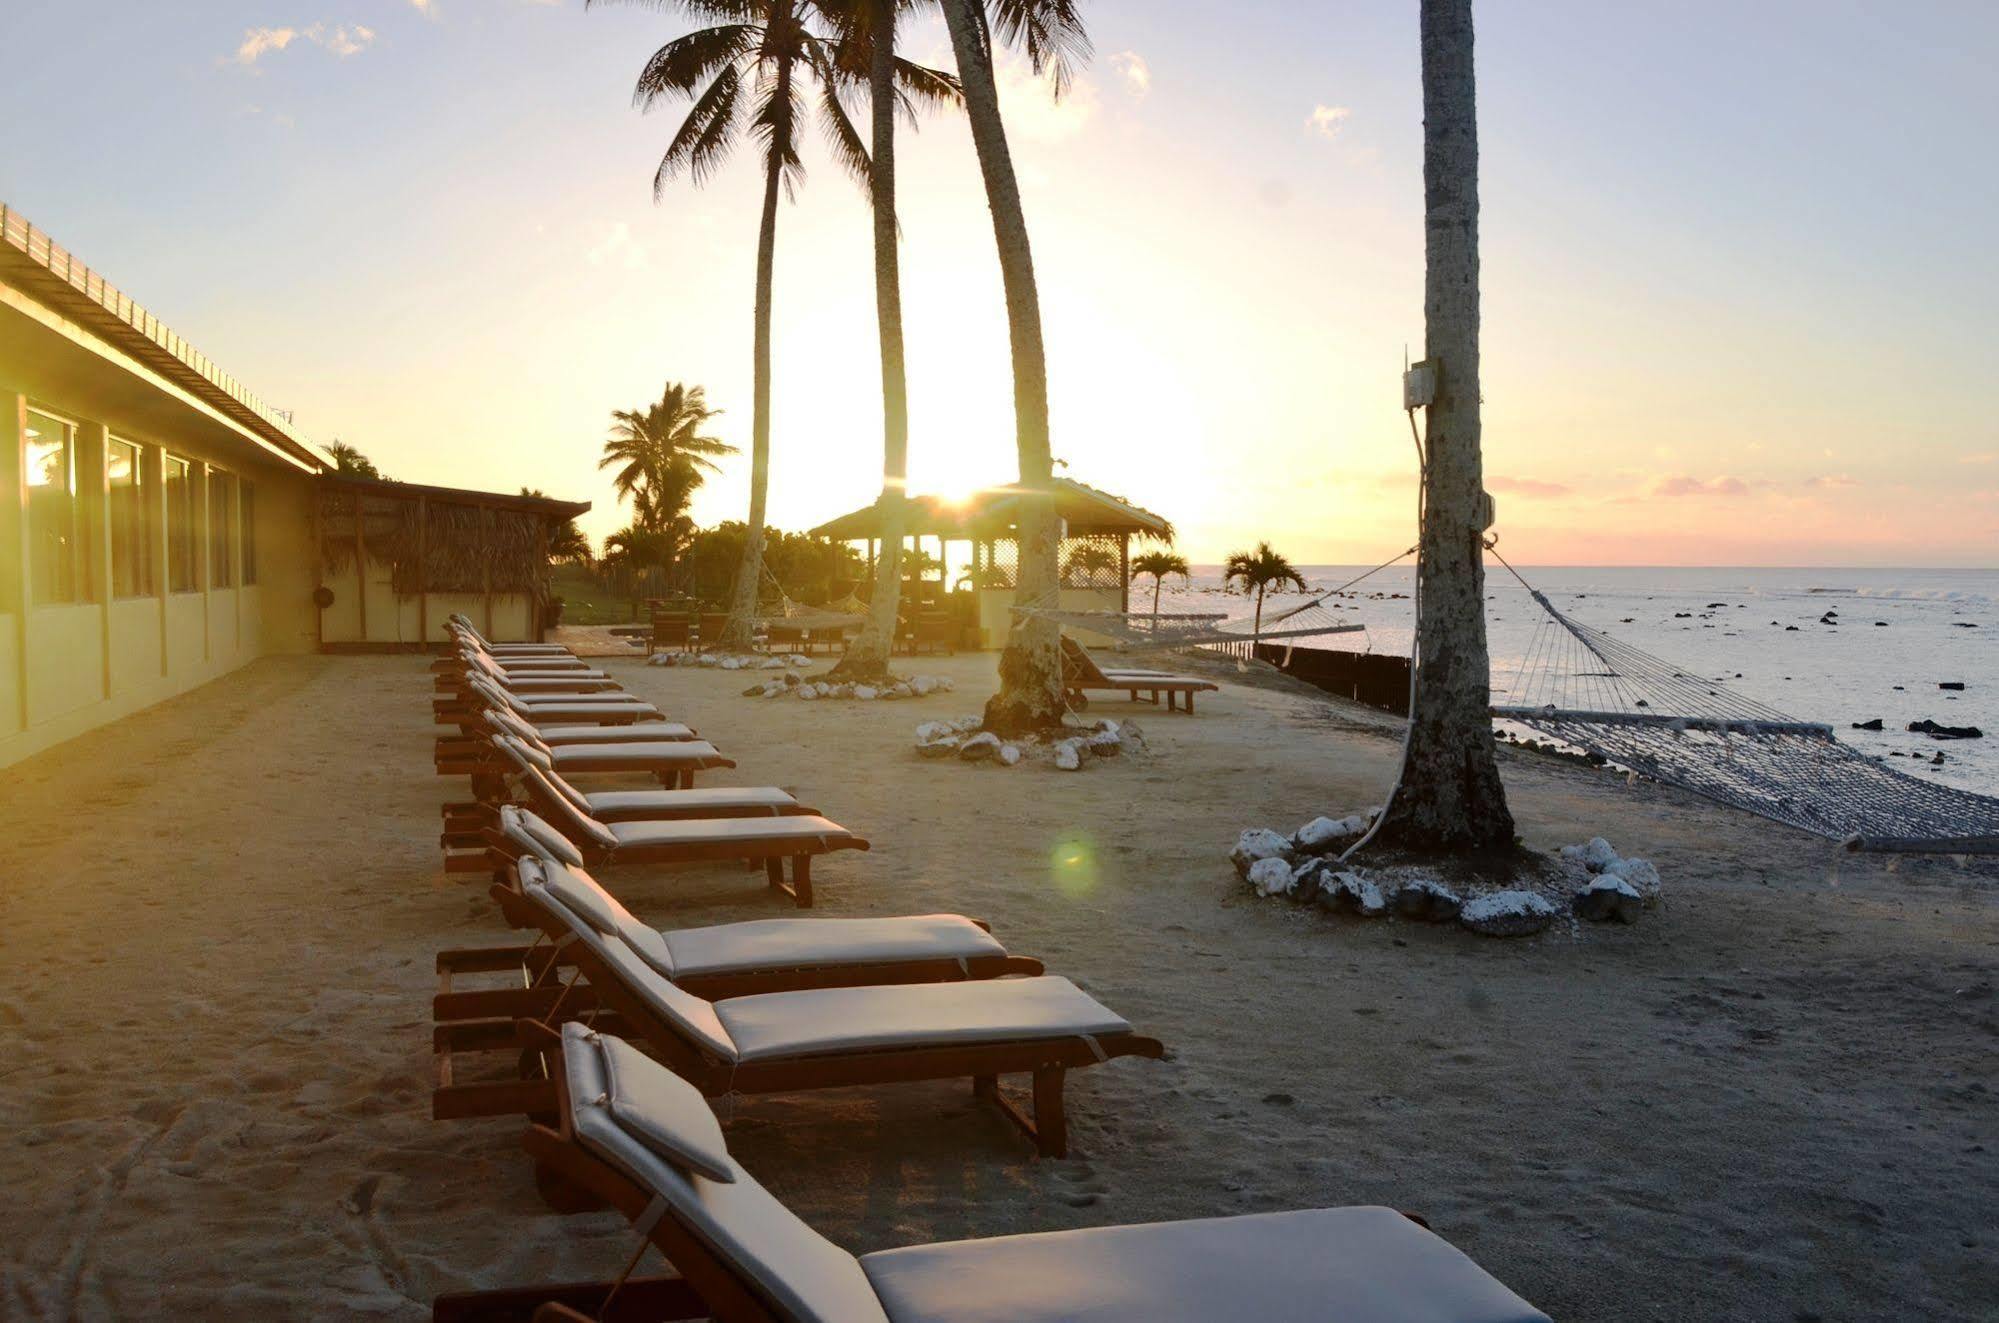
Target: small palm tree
x,y
1258,572
352,462
1159,564
661,448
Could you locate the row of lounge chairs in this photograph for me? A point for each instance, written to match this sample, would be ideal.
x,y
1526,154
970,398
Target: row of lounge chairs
x,y
615,1034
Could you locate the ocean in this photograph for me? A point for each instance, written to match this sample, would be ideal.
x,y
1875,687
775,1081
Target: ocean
x,y
1899,634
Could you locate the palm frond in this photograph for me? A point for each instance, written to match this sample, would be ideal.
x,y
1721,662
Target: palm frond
x,y
706,135
1049,32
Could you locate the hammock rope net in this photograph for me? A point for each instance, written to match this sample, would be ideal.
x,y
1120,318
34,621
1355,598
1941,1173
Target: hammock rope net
x,y
1584,688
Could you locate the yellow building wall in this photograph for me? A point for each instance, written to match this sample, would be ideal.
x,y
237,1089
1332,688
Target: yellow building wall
x,y
66,668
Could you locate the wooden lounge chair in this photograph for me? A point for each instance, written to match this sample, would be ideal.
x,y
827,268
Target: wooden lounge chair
x,y
584,680
461,625
466,709
725,960
785,1042
672,763
548,793
504,721
468,658
1081,674
770,839
625,1132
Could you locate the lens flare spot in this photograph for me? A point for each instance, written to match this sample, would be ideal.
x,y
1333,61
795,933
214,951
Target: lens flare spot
x,y
1072,864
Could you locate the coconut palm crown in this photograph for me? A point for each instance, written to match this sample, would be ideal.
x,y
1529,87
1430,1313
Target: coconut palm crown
x,y
1258,572
1159,564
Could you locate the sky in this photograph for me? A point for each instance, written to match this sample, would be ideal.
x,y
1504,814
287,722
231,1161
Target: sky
x,y
1739,285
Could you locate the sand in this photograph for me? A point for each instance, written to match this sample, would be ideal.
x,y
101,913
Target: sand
x,y
1774,1100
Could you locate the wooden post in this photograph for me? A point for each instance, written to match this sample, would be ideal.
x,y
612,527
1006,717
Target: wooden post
x,y
538,598
422,563
361,558
486,564
318,495
1124,572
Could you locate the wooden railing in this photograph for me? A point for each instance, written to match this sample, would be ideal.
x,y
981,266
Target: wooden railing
x,y
17,233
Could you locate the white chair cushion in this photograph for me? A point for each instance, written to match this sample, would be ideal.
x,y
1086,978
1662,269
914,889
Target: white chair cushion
x,y
665,1113
602,911
636,756
822,1021
732,948
806,1276
563,812
1353,1265
682,1012
750,832
537,838
635,732
698,802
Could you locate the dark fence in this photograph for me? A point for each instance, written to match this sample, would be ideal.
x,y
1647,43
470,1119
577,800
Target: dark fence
x,y
1376,679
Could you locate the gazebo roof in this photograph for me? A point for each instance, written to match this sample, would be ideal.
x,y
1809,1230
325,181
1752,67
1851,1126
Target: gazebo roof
x,y
989,513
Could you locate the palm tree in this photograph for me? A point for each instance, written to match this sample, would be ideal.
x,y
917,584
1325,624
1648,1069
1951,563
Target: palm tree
x,y
1258,572
748,72
1086,562
1159,564
351,462
662,448
867,31
1449,796
1051,31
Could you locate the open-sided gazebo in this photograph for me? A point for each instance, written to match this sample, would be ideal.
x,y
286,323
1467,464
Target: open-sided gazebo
x,y
1097,532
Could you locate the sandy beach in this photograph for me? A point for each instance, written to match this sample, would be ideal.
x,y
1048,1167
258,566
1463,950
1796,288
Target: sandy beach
x,y
1775,1099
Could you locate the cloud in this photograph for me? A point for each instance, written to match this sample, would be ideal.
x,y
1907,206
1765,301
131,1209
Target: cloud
x,y
1136,73
1700,487
1530,487
1031,108
1832,480
256,41
1980,457
428,8
339,39
1327,121
617,249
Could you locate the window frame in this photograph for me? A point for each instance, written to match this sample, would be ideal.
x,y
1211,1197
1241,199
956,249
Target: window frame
x,y
74,566
187,537
144,580
220,489
246,532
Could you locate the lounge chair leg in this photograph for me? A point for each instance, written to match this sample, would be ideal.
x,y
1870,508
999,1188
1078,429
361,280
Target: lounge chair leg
x,y
774,870
1051,1123
801,880
985,1086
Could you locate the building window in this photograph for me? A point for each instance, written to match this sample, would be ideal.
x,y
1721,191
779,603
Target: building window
x,y
52,532
246,503
221,531
131,548
180,525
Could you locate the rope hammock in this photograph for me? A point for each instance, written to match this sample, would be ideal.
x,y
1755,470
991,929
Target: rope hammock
x,y
1586,689
793,614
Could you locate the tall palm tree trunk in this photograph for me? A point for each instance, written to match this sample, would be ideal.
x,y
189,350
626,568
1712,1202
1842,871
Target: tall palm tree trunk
x,y
740,631
868,654
1450,797
1030,696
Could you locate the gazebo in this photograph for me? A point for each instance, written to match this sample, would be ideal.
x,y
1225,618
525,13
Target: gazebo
x,y
1097,532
